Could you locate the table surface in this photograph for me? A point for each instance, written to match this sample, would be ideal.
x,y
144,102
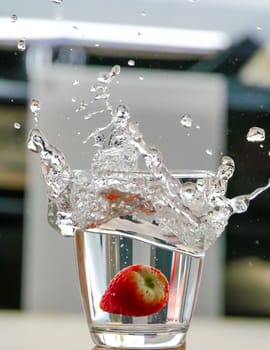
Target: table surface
x,y
32,331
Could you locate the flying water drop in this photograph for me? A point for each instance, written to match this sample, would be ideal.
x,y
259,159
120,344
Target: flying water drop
x,y
131,63
75,82
13,18
21,45
186,121
17,125
35,106
255,134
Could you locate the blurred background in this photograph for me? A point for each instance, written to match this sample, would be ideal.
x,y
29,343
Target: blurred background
x,y
206,58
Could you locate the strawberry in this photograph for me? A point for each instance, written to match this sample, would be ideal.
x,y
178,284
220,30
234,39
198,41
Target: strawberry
x,y
137,290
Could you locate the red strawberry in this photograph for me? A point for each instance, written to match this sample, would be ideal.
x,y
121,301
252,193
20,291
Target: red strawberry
x,y
137,290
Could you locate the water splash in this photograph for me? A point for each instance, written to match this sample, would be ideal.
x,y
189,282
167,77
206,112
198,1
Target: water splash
x,y
192,214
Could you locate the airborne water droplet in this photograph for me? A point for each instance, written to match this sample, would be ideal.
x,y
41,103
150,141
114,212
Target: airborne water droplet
x,y
186,121
21,45
17,125
35,106
141,78
259,28
209,151
143,14
57,1
131,63
13,18
255,134
82,106
75,82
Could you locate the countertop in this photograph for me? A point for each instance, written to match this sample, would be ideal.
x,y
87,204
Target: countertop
x,y
47,331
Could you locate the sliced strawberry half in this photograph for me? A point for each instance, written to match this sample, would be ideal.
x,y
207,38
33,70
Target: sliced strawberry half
x,y
137,290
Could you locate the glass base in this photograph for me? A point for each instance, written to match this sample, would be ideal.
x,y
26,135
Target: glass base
x,y
128,338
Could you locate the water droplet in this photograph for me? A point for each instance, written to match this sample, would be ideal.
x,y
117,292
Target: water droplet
x,y
17,125
261,145
186,121
21,45
257,242
143,14
35,106
226,168
198,127
259,28
141,78
192,1
131,63
75,82
255,134
82,106
97,45
115,70
139,34
13,18
73,99
75,27
209,151
57,1
240,204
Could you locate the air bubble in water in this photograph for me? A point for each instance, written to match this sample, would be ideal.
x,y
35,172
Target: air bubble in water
x,y
255,134
17,125
186,121
131,63
21,45
35,106
13,18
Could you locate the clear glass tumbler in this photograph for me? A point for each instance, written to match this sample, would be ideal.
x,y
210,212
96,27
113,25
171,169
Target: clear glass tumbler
x,y
103,251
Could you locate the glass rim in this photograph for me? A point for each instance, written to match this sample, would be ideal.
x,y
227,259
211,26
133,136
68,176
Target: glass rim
x,y
178,173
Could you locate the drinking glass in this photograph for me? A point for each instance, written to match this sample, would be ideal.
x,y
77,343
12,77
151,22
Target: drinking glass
x,y
105,250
